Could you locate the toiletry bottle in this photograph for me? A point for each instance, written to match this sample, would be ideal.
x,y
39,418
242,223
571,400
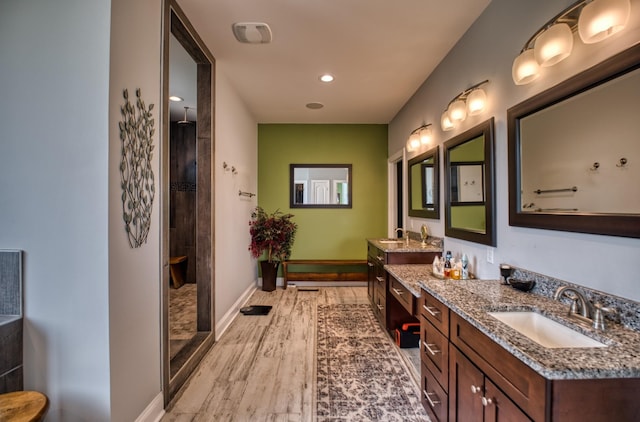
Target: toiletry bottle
x,y
465,266
447,265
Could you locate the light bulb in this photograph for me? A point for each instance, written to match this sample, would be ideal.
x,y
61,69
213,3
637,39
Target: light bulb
x,y
476,101
525,68
602,18
445,123
425,135
414,142
553,45
457,111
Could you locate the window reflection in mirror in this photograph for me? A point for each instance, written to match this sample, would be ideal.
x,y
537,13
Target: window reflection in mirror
x,y
424,191
320,186
469,184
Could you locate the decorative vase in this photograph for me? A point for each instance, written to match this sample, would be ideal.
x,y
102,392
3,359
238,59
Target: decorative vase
x,y
269,275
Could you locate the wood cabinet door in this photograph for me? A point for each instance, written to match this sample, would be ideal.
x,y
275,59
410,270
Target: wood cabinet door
x,y
371,279
466,387
498,407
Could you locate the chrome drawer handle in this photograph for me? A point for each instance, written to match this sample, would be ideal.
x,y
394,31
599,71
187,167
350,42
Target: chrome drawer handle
x,y
432,403
380,279
380,258
380,307
432,351
475,390
432,311
397,291
486,401
370,264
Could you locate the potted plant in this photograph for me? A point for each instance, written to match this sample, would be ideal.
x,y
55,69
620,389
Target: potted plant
x,y
272,238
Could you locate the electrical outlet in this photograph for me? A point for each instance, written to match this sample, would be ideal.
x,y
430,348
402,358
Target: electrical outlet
x,y
490,255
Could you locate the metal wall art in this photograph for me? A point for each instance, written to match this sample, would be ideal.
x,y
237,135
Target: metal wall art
x,y
136,172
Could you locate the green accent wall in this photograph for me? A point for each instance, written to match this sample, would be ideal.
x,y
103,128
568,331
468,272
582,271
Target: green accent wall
x,y
327,233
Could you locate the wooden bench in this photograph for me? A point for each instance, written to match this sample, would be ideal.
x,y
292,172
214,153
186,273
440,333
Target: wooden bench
x,y
338,270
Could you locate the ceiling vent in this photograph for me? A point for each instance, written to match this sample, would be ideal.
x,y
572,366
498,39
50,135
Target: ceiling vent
x,y
252,32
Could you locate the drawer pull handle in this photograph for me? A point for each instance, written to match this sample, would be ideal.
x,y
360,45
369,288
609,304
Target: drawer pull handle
x,y
475,390
433,351
380,307
370,264
380,279
397,291
432,403
380,258
486,401
432,311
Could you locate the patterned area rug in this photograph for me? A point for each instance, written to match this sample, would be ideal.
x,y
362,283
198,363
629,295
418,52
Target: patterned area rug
x,y
361,375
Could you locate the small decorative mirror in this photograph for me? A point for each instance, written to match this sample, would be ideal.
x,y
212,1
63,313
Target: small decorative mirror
x,y
424,192
469,185
574,151
320,185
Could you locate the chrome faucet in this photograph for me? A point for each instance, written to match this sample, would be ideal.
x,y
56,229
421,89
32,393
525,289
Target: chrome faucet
x,y
405,233
580,306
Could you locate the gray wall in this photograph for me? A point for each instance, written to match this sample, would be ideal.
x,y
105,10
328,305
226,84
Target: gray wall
x,y
487,51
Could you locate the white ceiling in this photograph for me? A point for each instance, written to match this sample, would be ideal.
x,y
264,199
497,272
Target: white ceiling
x,y
380,52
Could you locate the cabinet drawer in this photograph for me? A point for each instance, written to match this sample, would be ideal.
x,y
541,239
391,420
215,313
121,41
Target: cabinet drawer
x,y
522,384
435,312
434,399
404,296
434,352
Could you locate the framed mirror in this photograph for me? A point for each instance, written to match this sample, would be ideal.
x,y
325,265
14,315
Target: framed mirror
x,y
469,185
320,186
424,183
574,155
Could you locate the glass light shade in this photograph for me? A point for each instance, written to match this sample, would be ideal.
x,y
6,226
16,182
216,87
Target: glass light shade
x,y
426,135
553,45
457,111
525,68
476,101
414,142
445,123
602,18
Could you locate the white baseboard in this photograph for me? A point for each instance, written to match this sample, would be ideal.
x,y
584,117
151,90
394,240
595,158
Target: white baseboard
x,y
229,316
154,411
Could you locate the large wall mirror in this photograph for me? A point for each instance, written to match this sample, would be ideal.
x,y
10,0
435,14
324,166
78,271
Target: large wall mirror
x,y
424,192
469,185
574,152
320,186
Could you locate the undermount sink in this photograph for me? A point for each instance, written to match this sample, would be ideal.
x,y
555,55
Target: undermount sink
x,y
391,241
544,331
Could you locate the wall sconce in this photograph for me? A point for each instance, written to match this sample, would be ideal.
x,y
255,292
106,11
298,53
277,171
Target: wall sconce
x,y
595,20
468,103
420,136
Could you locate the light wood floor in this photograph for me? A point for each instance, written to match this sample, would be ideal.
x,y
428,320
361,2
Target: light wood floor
x,y
263,367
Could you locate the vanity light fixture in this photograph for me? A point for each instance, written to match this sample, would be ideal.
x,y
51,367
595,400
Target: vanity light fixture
x,y
175,98
469,102
420,137
594,20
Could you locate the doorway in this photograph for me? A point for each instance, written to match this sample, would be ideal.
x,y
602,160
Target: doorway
x,y
187,209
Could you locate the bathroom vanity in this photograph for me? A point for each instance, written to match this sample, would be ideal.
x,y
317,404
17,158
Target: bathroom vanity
x,y
475,367
393,303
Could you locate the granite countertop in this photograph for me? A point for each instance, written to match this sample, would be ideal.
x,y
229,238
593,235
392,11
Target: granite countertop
x,y
401,246
6,319
472,299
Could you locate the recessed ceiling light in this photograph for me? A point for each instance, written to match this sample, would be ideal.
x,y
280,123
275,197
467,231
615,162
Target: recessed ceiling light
x,y
326,78
175,98
315,106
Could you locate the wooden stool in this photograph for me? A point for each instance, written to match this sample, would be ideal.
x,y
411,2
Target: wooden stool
x,y
23,406
178,270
